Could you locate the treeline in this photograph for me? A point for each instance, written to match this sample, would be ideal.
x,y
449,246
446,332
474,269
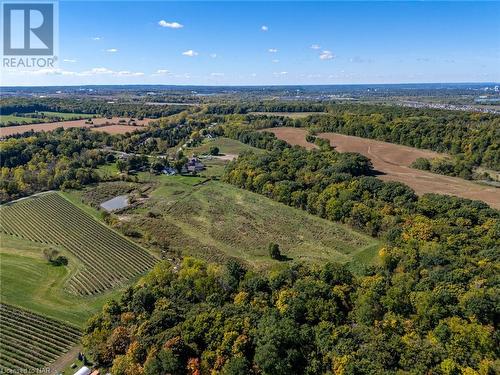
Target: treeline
x,y
448,166
473,138
89,106
325,183
264,140
265,106
43,161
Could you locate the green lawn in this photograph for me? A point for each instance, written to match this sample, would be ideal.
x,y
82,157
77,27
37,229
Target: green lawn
x,y
30,282
216,221
225,145
16,119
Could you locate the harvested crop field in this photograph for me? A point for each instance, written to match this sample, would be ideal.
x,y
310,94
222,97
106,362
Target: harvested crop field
x,y
393,162
114,126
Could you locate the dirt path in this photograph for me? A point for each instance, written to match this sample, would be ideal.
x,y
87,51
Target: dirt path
x,y
393,162
65,360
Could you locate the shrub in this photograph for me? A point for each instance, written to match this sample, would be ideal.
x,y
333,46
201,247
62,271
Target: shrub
x,y
214,150
274,251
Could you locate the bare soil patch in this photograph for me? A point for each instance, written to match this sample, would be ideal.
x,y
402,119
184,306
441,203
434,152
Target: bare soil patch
x,y
96,122
226,157
393,163
294,136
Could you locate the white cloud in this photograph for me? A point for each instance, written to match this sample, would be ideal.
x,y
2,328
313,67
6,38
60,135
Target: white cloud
x,y
170,25
106,71
85,73
326,55
112,50
315,46
280,73
69,60
275,61
253,75
98,71
264,28
272,50
96,38
127,73
162,71
43,72
213,55
217,74
190,53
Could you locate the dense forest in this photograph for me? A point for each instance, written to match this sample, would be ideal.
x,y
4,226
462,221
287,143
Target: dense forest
x,y
50,160
430,305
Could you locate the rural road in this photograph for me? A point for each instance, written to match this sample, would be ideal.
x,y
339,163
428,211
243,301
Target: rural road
x,y
394,161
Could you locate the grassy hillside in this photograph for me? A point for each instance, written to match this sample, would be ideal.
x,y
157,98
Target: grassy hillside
x,y
30,282
216,221
225,145
106,258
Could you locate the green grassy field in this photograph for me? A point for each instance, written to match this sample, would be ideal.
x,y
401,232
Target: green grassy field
x,y
4,119
67,116
216,221
225,145
106,258
48,117
30,282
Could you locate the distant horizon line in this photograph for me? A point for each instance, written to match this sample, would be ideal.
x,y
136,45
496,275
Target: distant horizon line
x,y
255,85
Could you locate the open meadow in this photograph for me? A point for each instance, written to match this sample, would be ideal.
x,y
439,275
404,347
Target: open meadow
x,y
227,147
216,221
46,116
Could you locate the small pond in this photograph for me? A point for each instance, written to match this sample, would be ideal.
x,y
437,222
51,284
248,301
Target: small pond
x,y
116,203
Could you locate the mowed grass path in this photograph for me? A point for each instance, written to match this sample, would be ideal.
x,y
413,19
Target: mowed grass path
x,y
216,221
29,342
108,258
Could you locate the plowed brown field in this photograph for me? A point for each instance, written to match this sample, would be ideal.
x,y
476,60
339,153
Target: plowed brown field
x,y
393,162
113,122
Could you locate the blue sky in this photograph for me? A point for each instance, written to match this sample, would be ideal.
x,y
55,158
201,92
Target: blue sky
x,y
252,43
